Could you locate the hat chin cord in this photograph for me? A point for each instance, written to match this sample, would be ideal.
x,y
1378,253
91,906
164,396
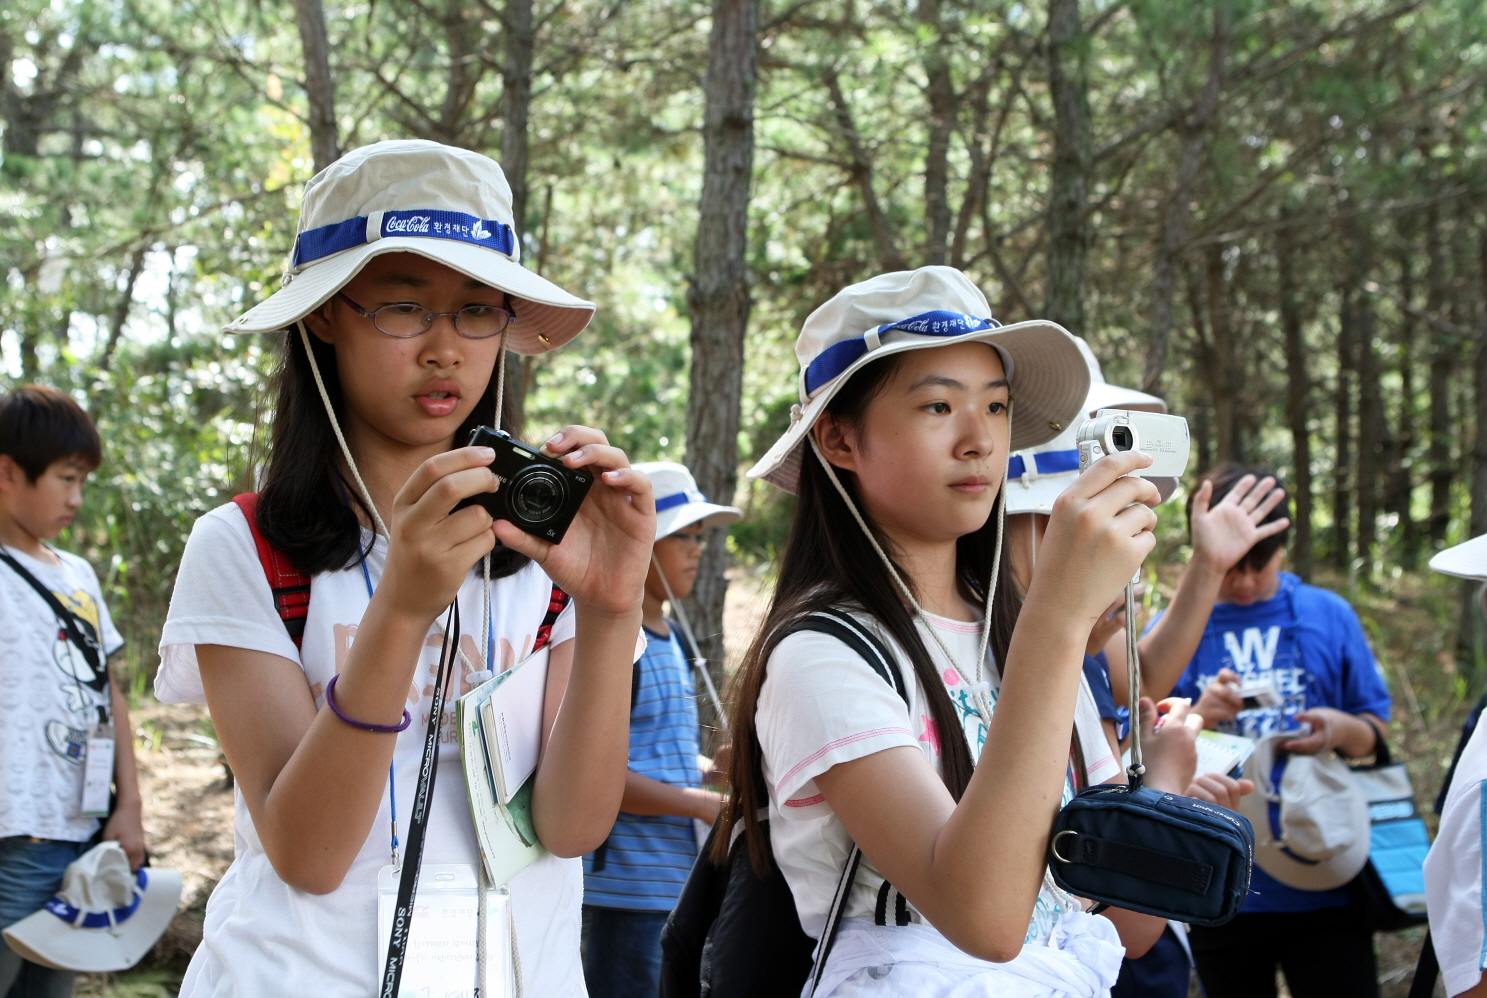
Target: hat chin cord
x,y
980,688
686,625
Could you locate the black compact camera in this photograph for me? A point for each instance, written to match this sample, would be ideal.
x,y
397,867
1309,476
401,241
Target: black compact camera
x,y
537,493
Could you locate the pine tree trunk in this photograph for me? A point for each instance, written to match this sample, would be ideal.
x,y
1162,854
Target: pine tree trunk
x,y
320,87
940,91
1479,370
718,298
1068,230
1298,391
1341,549
1402,488
1224,384
516,101
1373,434
1442,471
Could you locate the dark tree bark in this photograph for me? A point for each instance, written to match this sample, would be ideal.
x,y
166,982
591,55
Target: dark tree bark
x,y
861,166
1224,383
940,92
320,86
1298,391
718,297
1194,131
516,102
1068,227
1442,469
120,313
1479,386
1374,443
1401,488
1341,549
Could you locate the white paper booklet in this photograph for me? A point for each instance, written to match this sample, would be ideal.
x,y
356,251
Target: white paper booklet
x,y
511,721
1220,753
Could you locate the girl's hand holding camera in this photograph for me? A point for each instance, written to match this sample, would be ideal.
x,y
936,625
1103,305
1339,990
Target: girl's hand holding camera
x,y
1100,532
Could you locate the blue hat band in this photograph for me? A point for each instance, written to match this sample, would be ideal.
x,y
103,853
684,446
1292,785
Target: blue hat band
x,y
327,240
835,359
1052,462
100,919
679,499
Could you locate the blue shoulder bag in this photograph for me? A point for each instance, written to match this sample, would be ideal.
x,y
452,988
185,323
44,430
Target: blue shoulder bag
x,y
1137,848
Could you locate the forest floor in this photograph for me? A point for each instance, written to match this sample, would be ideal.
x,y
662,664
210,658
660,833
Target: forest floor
x,y
189,801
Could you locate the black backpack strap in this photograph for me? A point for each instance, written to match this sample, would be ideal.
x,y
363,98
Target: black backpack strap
x,y
1426,970
852,633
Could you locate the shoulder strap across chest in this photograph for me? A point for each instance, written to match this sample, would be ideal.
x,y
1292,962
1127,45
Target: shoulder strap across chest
x,y
860,638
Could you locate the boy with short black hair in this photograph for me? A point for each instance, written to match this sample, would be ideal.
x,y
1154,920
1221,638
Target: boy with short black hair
x,y
57,705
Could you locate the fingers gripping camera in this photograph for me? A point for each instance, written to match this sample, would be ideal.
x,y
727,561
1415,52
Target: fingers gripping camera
x,y
539,494
1163,437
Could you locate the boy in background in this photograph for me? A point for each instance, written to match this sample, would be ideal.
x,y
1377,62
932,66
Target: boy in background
x,y
56,702
632,881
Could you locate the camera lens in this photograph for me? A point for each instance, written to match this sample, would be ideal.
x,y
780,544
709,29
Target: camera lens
x,y
1122,438
537,495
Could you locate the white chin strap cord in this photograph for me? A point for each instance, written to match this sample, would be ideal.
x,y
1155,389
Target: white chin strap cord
x,y
980,688
700,664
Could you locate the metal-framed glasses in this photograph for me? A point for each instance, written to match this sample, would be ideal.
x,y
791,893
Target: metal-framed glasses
x,y
405,320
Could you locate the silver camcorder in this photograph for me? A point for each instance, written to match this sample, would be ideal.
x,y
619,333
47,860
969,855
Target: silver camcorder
x,y
1164,437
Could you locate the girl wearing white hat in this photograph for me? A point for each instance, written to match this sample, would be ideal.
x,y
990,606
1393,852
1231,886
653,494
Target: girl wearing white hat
x,y
403,293
911,401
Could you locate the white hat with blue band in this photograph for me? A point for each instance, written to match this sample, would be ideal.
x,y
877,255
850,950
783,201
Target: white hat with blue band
x,y
413,196
915,310
679,503
1038,475
104,919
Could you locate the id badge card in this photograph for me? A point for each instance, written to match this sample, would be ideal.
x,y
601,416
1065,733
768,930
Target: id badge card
x,y
443,956
98,777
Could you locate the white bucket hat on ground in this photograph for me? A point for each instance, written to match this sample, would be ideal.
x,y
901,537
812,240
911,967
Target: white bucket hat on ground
x,y
1467,560
409,195
1311,831
1038,475
679,503
914,310
104,918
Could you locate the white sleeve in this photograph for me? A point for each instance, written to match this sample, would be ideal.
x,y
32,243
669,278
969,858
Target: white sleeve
x,y
1455,892
821,705
221,597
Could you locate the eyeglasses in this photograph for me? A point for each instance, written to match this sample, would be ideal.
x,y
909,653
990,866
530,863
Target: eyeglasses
x,y
694,539
405,320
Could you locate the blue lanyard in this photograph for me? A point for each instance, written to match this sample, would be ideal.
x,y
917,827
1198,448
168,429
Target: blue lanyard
x,y
392,781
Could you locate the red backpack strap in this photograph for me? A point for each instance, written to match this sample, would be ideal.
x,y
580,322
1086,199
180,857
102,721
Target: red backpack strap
x,y
555,604
290,586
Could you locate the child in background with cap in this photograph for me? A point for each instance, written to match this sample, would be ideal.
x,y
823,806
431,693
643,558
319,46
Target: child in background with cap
x,y
405,291
911,402
1455,876
1246,622
632,881
56,701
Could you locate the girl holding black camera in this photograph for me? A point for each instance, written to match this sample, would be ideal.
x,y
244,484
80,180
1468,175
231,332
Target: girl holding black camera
x,y
911,401
403,294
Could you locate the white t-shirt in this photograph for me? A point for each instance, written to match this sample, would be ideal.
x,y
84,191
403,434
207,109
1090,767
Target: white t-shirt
x,y
821,705
49,698
1455,886
263,937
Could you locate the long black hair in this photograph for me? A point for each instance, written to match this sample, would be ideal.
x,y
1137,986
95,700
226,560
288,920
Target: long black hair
x,y
829,561
309,504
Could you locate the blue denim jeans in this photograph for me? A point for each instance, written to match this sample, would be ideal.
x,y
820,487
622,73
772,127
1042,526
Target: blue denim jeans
x,y
622,952
30,873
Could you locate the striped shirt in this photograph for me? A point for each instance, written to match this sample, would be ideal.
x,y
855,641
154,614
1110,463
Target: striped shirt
x,y
645,861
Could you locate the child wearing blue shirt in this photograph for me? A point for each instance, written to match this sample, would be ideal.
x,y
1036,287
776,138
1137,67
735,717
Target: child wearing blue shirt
x,y
631,883
1267,627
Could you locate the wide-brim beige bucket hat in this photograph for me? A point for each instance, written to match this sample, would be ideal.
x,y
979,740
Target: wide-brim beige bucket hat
x,y
1467,560
413,196
679,503
917,310
1037,476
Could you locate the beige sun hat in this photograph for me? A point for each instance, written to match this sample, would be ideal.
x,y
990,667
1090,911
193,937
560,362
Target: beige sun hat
x,y
1037,476
679,503
105,918
1467,560
1311,827
915,310
410,195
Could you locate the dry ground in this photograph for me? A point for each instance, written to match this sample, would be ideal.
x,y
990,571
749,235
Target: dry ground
x,y
188,811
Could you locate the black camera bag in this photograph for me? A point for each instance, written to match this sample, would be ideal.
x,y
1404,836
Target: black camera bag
x,y
1143,850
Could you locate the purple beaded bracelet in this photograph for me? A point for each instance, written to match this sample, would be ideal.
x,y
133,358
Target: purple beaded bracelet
x,y
381,729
